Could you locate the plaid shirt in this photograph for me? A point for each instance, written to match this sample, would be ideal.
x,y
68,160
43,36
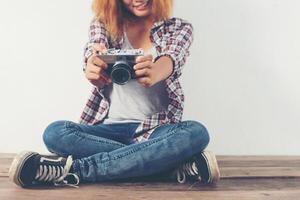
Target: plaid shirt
x,y
171,38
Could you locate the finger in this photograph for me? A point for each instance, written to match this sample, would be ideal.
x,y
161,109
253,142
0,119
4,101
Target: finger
x,y
142,72
100,77
103,75
104,79
92,76
90,59
142,65
94,69
100,63
145,81
144,58
95,60
99,47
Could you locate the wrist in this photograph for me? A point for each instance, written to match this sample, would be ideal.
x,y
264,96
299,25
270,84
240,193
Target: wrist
x,y
164,67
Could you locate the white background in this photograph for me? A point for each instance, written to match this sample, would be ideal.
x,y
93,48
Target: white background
x,y
241,81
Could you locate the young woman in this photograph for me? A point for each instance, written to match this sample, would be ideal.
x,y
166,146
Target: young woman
x,y
129,130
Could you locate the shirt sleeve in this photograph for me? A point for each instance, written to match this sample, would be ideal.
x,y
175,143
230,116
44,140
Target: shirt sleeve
x,y
97,34
178,40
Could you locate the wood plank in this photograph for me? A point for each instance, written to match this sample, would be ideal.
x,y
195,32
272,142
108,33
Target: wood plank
x,y
236,184
256,172
257,157
5,161
111,194
242,189
258,161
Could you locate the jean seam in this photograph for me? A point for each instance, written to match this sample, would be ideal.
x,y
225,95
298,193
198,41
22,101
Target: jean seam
x,y
88,136
154,140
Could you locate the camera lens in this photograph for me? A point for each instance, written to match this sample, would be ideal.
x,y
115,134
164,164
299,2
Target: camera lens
x,y
120,73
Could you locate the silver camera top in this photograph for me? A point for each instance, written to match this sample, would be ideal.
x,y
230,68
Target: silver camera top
x,y
124,52
113,55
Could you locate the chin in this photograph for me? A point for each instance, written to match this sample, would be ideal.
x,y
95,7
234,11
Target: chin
x,y
142,13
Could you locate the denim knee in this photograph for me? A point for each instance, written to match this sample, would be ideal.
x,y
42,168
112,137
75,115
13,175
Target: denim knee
x,y
52,134
198,131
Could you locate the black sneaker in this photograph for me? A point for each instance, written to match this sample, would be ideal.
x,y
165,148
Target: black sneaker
x,y
30,168
202,167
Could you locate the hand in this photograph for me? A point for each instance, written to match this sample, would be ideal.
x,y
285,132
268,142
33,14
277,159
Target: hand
x,y
149,73
95,66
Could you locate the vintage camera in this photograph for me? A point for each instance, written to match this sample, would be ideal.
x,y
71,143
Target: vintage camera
x,y
120,64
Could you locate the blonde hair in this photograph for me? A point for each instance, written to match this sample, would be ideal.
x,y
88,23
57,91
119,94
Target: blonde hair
x,y
114,14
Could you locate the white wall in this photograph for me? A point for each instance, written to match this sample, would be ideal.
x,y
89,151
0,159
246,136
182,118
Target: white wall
x,y
241,80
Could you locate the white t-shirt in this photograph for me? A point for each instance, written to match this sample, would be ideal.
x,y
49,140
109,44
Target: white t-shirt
x,y
133,102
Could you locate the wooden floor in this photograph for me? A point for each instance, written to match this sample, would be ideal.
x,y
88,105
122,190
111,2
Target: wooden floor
x,y
243,178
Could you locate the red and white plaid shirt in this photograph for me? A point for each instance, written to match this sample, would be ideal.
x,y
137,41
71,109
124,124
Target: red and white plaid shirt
x,y
171,38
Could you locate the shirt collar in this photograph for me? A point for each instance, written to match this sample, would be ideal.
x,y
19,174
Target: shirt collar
x,y
155,26
162,22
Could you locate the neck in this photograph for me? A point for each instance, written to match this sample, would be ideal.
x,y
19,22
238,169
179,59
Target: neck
x,y
140,24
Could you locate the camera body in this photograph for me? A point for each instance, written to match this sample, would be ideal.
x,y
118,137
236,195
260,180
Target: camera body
x,y
120,64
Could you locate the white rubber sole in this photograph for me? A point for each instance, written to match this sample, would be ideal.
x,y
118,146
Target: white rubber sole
x,y
17,165
213,168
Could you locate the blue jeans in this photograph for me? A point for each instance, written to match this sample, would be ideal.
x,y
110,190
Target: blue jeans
x,y
105,152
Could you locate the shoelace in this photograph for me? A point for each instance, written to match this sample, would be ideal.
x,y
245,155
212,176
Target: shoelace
x,y
56,174
187,169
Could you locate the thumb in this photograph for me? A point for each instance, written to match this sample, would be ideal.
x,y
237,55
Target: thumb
x,y
99,47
